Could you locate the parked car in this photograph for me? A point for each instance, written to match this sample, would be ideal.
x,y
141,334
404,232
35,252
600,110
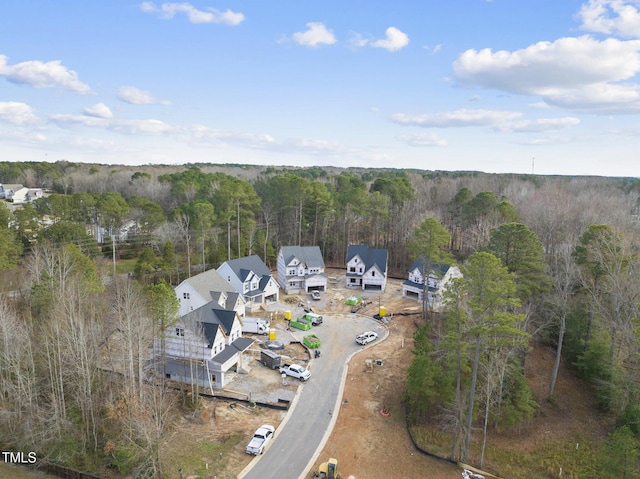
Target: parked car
x,y
315,319
296,371
260,439
366,337
315,294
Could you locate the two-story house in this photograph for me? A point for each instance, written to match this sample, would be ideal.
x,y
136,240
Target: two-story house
x,y
366,267
301,269
7,190
251,279
205,287
202,346
438,276
20,194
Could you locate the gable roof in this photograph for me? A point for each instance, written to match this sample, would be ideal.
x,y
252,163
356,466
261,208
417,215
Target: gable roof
x,y
243,267
238,346
370,256
212,318
208,283
435,268
309,255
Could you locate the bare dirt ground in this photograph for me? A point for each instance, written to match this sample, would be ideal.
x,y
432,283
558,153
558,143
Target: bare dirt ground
x,y
365,442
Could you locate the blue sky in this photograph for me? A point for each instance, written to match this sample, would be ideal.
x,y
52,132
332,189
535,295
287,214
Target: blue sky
x,y
501,86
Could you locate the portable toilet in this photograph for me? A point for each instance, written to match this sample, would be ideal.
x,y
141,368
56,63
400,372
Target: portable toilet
x,y
287,315
272,334
383,311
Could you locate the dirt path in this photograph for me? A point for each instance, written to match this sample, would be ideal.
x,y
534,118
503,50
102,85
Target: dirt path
x,y
366,443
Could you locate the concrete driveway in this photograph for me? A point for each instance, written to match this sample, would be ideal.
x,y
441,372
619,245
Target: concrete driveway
x,y
301,436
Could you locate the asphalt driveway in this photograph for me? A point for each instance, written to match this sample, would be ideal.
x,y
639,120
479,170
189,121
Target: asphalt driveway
x,y
309,421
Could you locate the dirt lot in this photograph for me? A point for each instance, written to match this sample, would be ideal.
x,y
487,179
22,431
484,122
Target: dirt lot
x,y
366,442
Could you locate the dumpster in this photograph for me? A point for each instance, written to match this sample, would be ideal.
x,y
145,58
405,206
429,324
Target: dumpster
x,y
311,341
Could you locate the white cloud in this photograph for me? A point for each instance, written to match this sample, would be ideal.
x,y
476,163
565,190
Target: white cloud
x,y
135,96
394,40
539,125
576,73
357,40
458,118
42,75
65,119
128,127
612,17
132,127
99,110
315,35
17,113
423,139
211,15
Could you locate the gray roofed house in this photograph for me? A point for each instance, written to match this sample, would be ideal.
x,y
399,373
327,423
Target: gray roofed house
x,y
438,276
366,267
202,346
251,278
205,287
301,269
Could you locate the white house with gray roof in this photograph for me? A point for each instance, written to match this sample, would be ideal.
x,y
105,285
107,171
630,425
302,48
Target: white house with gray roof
x,y
205,287
20,194
366,267
202,346
251,279
437,275
301,269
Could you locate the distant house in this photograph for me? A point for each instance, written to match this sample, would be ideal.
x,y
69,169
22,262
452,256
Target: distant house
x,y
7,191
202,347
20,194
366,267
205,287
439,275
301,269
251,279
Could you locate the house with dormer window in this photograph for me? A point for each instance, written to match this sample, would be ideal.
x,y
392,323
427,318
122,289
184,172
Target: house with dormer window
x,y
202,347
203,288
437,277
366,267
251,279
301,269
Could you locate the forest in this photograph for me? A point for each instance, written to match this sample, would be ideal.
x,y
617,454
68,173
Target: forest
x,y
549,260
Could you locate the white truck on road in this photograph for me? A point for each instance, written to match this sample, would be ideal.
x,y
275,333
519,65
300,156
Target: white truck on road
x,y
296,371
255,325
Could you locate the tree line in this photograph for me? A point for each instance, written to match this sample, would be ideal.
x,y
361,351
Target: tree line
x,y
546,260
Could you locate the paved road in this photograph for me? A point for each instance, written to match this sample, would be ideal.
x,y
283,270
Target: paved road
x,y
300,437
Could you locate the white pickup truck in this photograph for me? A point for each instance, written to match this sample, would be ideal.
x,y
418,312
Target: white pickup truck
x,y
296,371
260,439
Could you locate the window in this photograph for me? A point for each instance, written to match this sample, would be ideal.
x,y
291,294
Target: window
x,y
179,332
352,269
373,273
